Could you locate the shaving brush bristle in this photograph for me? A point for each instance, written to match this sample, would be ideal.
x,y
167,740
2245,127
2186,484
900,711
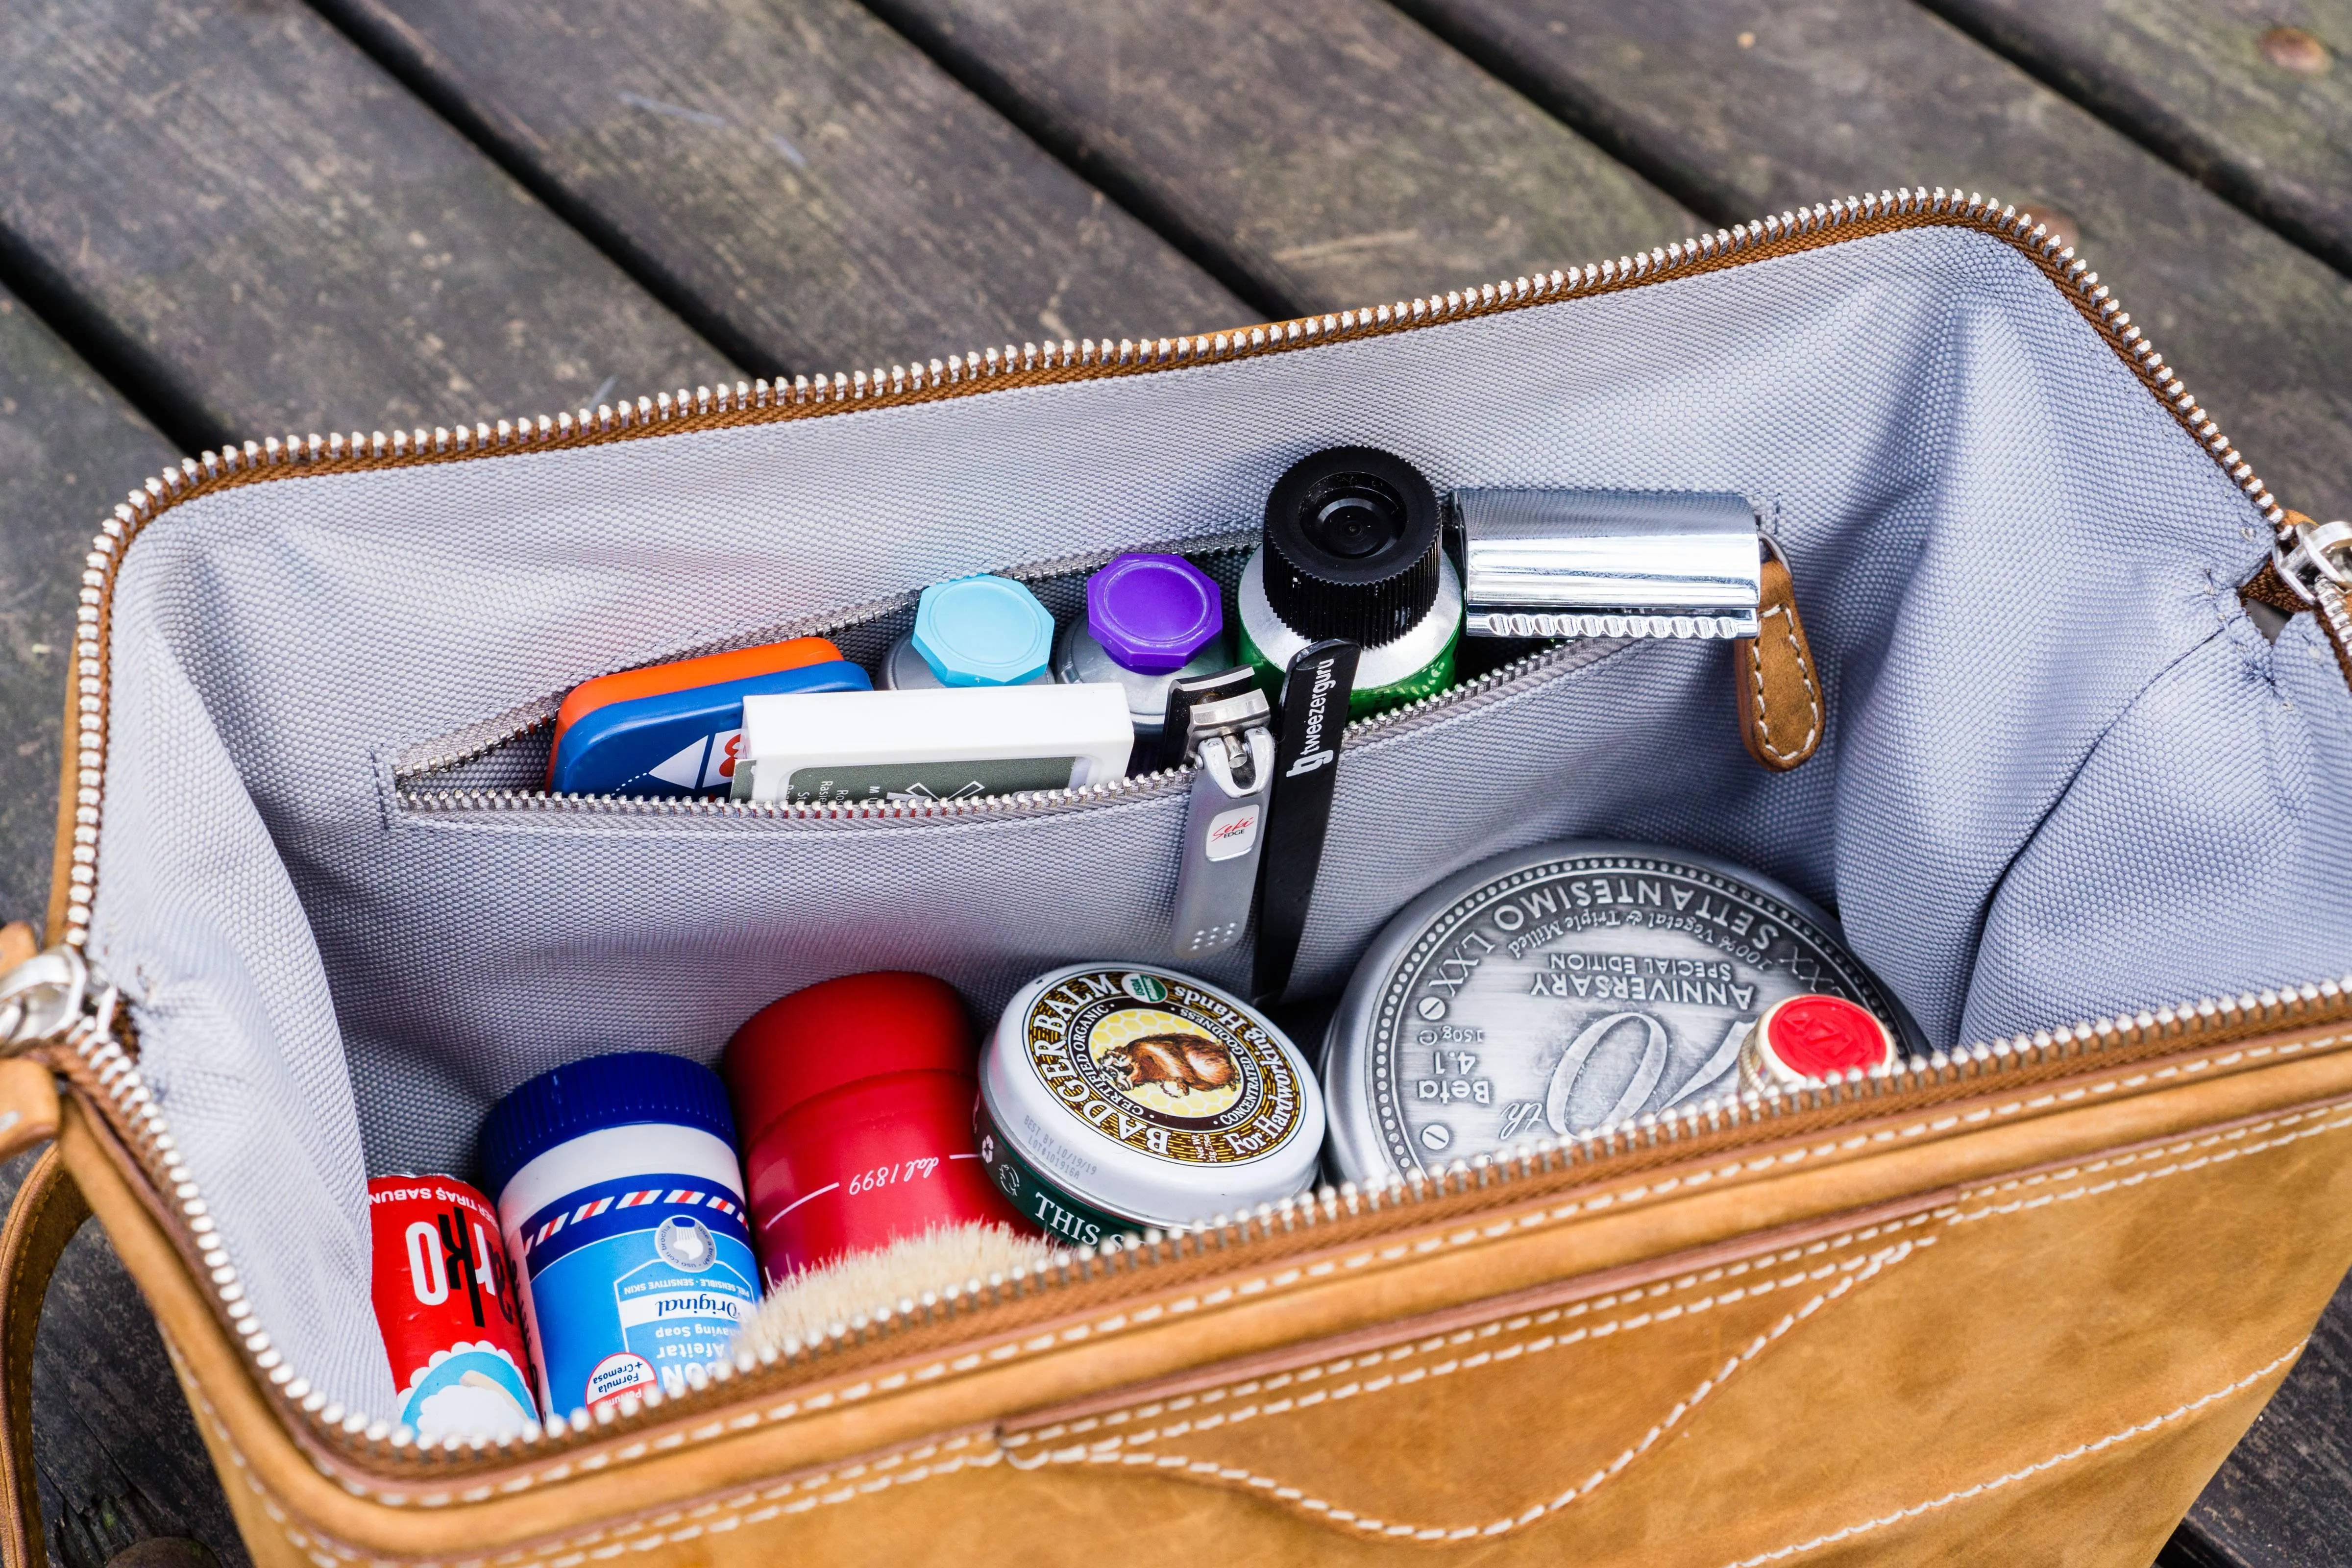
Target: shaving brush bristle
x,y
803,1307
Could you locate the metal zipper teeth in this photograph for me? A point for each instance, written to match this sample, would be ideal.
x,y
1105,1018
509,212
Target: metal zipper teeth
x,y
475,741
1001,808
126,1098
1614,1151
762,401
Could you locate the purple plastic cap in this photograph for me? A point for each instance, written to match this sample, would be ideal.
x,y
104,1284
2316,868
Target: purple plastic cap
x,y
1152,613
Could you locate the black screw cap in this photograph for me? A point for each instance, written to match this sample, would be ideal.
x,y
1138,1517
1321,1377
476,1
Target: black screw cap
x,y
1351,546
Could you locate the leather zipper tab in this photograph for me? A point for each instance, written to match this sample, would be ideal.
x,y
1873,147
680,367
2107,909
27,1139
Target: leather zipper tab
x,y
1779,688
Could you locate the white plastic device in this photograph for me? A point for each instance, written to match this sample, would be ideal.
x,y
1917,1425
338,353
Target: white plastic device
x,y
946,743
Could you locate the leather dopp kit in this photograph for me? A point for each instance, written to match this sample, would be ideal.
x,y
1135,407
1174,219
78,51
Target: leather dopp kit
x,y
2047,781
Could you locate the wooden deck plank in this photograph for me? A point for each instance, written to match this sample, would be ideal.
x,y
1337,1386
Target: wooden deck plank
x,y
115,1450
70,449
1316,155
2253,97
1799,100
794,176
2284,1496
265,232
115,1446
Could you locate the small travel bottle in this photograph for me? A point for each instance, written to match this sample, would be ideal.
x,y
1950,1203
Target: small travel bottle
x,y
1352,550
1150,620
973,631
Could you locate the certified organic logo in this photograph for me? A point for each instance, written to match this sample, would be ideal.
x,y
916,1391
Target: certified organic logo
x,y
1163,1066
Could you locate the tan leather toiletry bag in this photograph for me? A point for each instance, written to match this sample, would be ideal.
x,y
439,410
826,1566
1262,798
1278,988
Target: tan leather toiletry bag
x,y
2078,699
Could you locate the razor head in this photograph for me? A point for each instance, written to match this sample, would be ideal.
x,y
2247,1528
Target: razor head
x,y
1612,564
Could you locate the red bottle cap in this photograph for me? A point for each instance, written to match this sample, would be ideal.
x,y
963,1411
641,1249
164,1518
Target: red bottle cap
x,y
854,1099
1815,1036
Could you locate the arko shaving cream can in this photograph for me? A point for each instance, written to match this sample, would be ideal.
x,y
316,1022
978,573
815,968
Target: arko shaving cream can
x,y
445,1299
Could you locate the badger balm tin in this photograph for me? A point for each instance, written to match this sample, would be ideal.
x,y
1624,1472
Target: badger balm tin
x,y
1115,1098
1564,987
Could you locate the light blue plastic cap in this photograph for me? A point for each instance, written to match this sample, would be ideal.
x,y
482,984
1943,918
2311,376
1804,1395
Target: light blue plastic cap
x,y
982,631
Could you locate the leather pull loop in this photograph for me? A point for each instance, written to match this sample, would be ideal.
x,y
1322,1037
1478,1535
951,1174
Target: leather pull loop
x,y
48,1210
1782,714
28,1106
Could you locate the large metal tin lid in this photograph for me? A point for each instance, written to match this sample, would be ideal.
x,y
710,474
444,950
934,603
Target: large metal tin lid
x,y
1152,1096
1559,988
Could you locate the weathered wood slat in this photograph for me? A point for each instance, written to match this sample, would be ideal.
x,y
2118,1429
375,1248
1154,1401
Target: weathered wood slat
x,y
1796,100
267,233
796,178
1319,154
2255,100
70,449
2283,1497
1799,100
115,1452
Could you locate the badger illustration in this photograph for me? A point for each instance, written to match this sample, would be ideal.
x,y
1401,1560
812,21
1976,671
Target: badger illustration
x,y
1179,1063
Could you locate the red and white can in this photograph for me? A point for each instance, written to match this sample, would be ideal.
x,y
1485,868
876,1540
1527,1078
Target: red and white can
x,y
854,1100
1804,1040
445,1299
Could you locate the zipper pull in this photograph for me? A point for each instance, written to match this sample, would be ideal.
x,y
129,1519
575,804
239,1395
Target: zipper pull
x,y
2313,560
1227,726
1774,682
50,996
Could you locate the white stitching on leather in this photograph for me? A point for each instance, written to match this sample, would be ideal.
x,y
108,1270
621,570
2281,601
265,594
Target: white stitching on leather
x,y
2226,1056
1286,1494
2076,1452
851,1483
1391,1355
1107,1452
572,1555
2117,1161
785,1410
1804,672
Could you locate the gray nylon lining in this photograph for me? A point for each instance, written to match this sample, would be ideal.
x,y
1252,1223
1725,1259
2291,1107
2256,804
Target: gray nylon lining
x,y
2062,773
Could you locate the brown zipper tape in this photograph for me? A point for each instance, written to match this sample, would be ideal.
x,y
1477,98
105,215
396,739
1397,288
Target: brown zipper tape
x,y
1789,234
2267,587
474,1508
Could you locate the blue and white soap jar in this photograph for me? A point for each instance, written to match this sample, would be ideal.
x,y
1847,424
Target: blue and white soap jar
x,y
621,1198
